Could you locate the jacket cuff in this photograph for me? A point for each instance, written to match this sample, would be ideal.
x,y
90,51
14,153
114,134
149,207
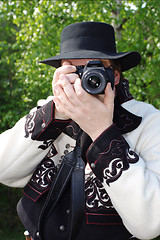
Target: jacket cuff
x,y
41,125
110,155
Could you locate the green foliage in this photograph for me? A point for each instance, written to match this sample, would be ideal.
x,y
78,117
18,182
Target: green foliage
x,y
141,33
30,31
10,226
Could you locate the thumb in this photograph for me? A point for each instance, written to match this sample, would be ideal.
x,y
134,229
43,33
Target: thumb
x,y
109,96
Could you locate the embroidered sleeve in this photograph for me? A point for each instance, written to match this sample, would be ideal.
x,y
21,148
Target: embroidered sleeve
x,y
110,155
41,125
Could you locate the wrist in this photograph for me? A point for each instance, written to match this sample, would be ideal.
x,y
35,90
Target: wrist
x,y
59,116
99,131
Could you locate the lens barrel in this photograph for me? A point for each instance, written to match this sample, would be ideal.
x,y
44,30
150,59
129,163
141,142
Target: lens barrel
x,y
94,81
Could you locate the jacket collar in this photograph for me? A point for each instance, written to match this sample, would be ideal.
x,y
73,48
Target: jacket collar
x,y
125,120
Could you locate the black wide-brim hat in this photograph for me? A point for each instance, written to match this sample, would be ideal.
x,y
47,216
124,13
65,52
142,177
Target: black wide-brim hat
x,y
91,40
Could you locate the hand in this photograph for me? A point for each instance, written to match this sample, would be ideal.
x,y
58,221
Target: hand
x,y
91,114
68,70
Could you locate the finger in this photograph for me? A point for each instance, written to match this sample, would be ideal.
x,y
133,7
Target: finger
x,y
65,69
69,89
109,96
64,107
66,80
59,93
66,62
72,77
60,111
81,93
64,90
57,103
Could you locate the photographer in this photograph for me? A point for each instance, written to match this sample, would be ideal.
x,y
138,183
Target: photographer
x,y
120,142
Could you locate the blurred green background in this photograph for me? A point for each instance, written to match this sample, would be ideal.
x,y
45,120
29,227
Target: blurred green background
x,y
30,31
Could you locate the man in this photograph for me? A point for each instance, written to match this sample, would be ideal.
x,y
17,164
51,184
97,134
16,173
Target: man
x,y
120,145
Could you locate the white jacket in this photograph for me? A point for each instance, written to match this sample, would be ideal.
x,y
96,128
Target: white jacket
x,y
135,194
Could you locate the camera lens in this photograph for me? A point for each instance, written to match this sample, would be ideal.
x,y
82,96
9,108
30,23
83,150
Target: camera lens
x,y
94,81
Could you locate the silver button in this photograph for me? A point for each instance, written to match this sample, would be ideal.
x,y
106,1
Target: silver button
x,y
65,152
68,211
37,234
93,165
43,125
26,234
62,228
67,145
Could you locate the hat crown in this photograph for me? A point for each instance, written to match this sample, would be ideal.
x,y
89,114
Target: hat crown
x,y
95,36
91,40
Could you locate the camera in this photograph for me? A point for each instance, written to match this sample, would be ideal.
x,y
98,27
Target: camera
x,y
95,76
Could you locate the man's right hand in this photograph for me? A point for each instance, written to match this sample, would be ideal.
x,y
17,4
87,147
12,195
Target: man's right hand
x,y
65,71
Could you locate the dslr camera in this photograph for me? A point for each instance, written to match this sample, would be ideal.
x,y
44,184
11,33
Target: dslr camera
x,y
95,76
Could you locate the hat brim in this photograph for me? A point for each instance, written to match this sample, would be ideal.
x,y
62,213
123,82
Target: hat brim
x,y
127,59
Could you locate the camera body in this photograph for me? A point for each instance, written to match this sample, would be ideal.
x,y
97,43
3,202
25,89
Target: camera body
x,y
95,76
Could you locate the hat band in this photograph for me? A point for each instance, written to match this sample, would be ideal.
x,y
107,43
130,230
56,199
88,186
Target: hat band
x,y
88,43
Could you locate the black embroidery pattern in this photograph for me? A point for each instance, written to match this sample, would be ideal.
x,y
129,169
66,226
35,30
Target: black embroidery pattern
x,y
121,157
125,120
38,121
32,119
52,152
96,196
46,144
30,124
114,170
72,130
44,174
